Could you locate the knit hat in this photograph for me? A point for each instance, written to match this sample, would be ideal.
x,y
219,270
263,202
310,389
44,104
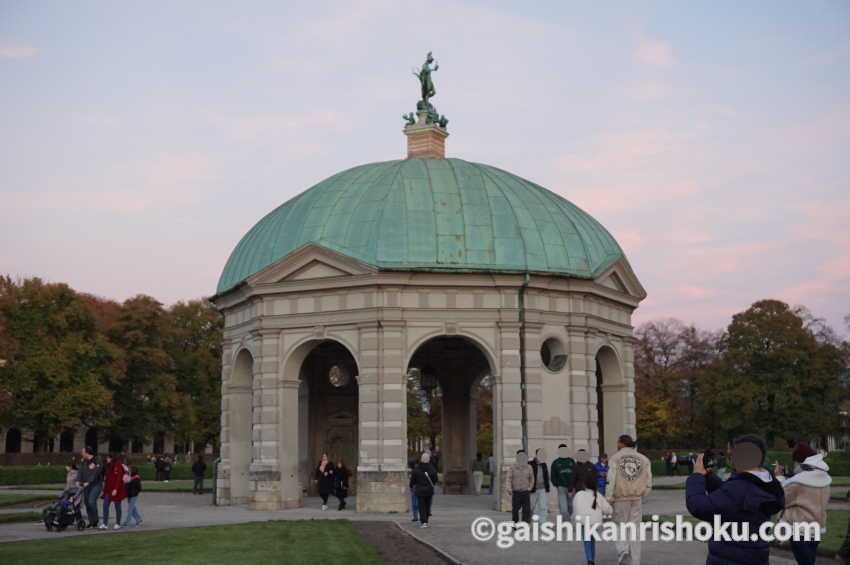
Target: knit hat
x,y
801,452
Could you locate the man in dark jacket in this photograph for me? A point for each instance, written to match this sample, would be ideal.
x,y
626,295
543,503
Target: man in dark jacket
x,y
90,477
752,495
540,487
198,470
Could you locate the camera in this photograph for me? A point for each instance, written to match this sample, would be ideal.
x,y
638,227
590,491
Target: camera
x,y
708,460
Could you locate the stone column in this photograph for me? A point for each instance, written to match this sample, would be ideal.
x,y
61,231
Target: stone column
x,y
27,441
382,483
168,442
582,367
507,408
3,439
79,440
223,490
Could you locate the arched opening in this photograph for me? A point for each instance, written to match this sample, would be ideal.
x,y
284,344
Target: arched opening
x,y
610,400
116,445
13,440
450,382
327,410
159,443
66,441
240,426
136,445
42,443
91,439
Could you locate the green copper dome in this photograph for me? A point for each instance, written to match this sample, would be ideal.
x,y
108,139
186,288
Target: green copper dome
x,y
430,214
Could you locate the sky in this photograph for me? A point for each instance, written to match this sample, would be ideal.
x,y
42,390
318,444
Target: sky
x,y
140,140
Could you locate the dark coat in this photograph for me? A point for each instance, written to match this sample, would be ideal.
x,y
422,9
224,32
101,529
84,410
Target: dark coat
x,y
326,478
91,476
134,487
580,473
199,467
534,465
423,478
341,476
743,498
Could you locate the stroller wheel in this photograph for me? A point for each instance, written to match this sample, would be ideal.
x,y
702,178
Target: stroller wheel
x,y
49,526
81,525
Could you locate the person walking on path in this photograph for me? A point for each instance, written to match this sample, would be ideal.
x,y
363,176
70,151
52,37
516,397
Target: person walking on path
x,y
590,507
629,480
199,467
562,473
478,468
601,467
750,497
325,479
113,490
422,481
414,500
540,487
806,496
521,480
134,488
341,476
90,477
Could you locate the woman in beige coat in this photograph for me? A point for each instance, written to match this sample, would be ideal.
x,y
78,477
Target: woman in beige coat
x,y
806,496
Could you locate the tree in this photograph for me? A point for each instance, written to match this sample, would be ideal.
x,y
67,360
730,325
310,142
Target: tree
x,y
55,361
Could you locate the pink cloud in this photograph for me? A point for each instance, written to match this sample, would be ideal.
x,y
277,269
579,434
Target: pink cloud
x,y
654,52
18,52
694,291
649,91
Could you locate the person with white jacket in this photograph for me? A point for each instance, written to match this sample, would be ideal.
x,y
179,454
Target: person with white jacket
x,y
806,496
589,507
629,480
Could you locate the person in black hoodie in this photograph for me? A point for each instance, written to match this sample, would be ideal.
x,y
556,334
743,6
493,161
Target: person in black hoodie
x,y
422,481
325,479
341,475
540,488
752,495
198,470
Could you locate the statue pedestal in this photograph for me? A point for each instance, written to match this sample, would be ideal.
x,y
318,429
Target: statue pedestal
x,y
426,141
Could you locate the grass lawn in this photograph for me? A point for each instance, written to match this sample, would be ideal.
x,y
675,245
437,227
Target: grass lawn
x,y
20,517
290,542
183,485
9,499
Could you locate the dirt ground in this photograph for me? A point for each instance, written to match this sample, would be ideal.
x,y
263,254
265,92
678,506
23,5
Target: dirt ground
x,y
395,547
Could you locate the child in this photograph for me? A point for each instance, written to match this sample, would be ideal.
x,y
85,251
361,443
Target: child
x,y
134,487
590,506
71,476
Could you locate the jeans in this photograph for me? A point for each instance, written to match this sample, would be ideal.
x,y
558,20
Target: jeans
x,y
601,489
565,503
198,486
590,550
521,500
132,512
425,508
804,551
414,505
90,495
540,503
117,504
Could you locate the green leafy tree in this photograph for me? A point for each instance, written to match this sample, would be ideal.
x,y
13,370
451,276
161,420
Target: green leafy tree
x,y
55,362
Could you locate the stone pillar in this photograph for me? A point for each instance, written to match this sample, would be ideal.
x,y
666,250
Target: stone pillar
x,y
582,367
382,482
3,440
168,442
27,441
147,446
223,490
507,408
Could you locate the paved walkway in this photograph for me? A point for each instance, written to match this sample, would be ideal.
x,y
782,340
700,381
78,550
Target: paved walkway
x,y
450,531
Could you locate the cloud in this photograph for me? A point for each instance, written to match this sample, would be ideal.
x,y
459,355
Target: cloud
x,y
649,91
260,126
654,52
18,52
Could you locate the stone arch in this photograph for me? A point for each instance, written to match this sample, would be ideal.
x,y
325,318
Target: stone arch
x,y
13,440
611,395
473,339
240,412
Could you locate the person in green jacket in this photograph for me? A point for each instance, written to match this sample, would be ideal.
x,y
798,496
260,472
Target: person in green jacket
x,y
562,472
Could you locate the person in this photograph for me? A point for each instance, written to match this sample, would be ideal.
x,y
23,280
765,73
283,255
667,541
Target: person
x,y
806,496
590,507
414,500
478,467
521,480
158,465
325,479
751,495
601,467
843,555
800,453
674,462
540,486
166,468
113,490
491,468
562,472
583,469
422,480
70,475
134,487
629,480
690,462
341,475
668,462
90,477
199,467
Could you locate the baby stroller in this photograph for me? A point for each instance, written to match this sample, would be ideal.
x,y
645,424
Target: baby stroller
x,y
66,511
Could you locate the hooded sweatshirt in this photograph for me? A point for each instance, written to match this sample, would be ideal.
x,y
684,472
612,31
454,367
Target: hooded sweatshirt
x,y
751,497
522,477
807,493
562,468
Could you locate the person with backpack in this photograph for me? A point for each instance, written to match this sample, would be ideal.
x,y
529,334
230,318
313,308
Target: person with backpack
x,y
589,507
199,467
422,481
134,488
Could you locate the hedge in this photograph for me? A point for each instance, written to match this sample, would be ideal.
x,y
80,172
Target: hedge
x,y
46,474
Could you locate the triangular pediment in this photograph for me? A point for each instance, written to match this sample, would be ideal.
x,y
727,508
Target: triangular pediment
x,y
621,278
310,262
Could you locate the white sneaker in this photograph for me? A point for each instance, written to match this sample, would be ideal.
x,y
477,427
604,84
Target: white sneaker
x,y
102,526
324,506
425,525
116,527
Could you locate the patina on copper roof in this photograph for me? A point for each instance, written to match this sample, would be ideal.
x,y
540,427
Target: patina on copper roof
x,y
431,214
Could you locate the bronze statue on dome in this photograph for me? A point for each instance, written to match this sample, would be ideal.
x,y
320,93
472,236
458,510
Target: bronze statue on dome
x,y
426,111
